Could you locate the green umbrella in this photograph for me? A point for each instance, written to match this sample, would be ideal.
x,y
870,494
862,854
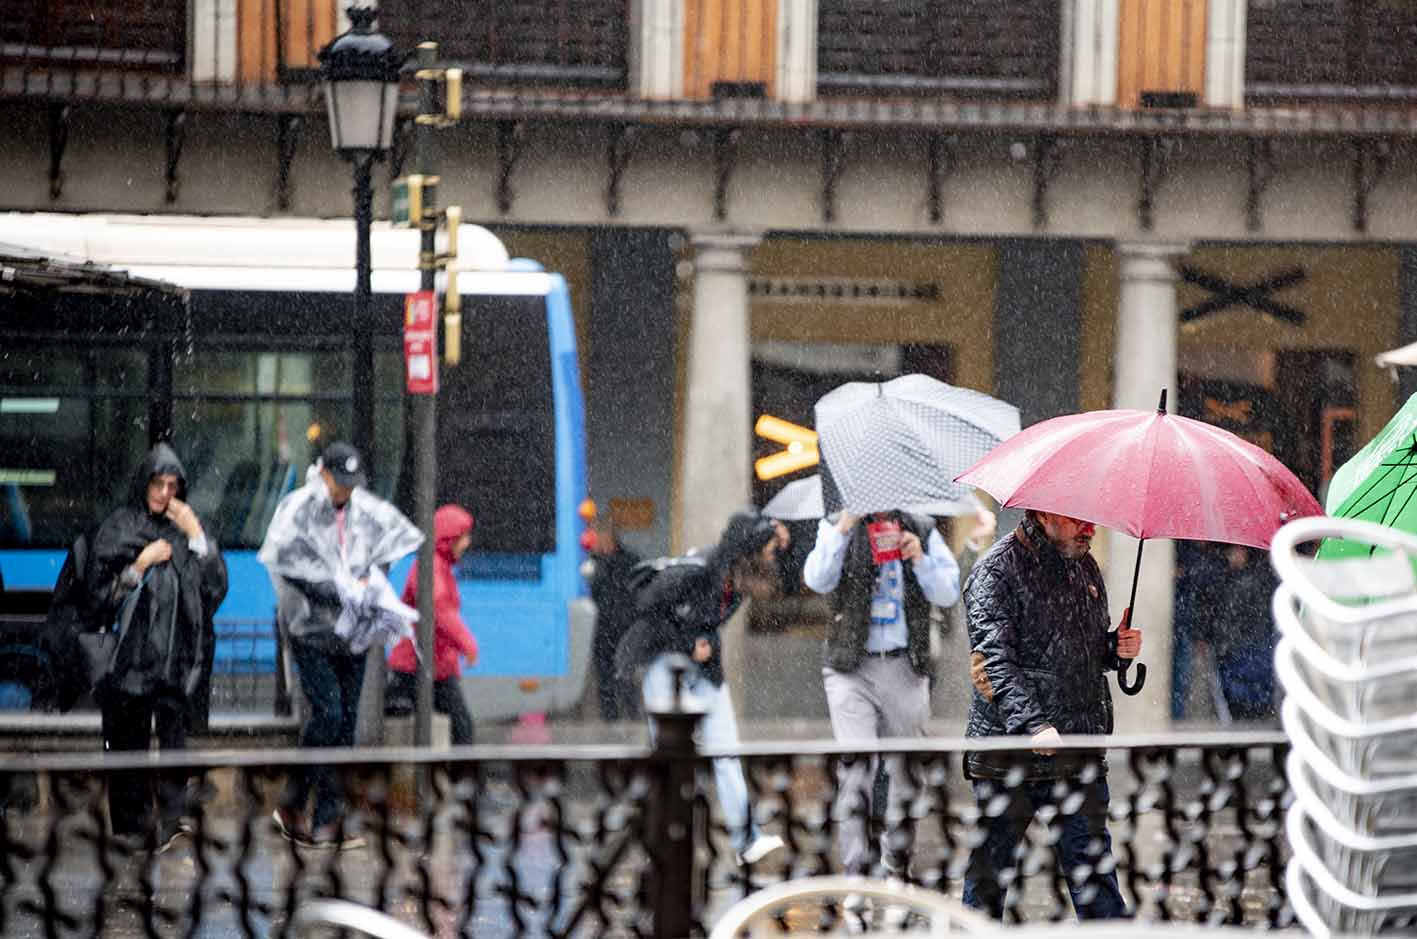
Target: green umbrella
x,y
1379,484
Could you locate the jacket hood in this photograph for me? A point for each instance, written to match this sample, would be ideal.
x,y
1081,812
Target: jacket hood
x,y
746,533
450,523
160,459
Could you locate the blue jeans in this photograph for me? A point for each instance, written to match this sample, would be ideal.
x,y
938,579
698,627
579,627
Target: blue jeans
x,y
331,680
1082,844
719,728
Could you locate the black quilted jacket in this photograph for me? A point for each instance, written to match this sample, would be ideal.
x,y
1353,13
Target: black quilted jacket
x,y
1040,649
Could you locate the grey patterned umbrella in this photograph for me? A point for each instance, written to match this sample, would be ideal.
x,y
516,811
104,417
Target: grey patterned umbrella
x,y
901,443
802,499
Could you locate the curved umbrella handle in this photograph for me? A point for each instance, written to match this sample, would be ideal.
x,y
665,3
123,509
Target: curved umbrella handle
x,y
1135,687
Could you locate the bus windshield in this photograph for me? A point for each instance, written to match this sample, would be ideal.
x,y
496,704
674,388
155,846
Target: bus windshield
x,y
496,432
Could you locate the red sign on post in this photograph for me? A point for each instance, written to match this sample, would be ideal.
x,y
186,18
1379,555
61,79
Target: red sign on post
x,y
420,342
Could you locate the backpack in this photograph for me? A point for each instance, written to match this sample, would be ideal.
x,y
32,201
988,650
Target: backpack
x,y
66,675
644,574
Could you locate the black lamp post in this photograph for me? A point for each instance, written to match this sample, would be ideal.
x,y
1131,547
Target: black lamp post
x,y
360,72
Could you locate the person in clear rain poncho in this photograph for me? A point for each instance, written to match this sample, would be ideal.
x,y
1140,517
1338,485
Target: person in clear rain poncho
x,y
327,550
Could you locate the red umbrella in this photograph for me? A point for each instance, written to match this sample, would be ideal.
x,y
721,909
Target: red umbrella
x,y
1149,474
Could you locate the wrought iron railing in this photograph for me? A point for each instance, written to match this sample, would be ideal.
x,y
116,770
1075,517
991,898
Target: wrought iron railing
x,y
969,48
125,34
1330,50
238,51
595,841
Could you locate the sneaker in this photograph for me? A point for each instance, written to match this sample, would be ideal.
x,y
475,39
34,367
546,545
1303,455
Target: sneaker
x,y
762,846
169,834
895,917
856,913
330,838
290,827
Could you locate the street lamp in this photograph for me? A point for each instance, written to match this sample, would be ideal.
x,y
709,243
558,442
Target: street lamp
x,y
360,73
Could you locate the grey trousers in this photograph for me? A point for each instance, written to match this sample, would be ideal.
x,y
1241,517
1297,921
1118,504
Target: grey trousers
x,y
884,697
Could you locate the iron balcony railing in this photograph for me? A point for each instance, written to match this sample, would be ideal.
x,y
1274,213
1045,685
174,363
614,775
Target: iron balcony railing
x,y
239,52
608,840
1330,50
969,48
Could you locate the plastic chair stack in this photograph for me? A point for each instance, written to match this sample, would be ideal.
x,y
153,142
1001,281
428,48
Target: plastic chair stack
x,y
1347,660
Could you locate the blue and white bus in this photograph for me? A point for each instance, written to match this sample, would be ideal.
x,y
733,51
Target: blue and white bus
x,y
252,370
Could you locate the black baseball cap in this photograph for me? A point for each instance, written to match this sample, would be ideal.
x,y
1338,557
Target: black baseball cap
x,y
344,464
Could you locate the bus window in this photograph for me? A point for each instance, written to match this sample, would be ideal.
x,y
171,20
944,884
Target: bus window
x,y
496,426
248,423
73,430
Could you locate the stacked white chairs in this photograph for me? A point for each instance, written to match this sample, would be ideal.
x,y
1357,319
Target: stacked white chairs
x,y
1347,661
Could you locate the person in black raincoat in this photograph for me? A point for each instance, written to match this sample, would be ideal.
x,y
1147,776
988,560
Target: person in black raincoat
x,y
156,579
613,568
1041,645
677,618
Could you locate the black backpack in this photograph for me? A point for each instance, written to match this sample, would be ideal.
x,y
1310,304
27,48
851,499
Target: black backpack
x,y
643,575
66,677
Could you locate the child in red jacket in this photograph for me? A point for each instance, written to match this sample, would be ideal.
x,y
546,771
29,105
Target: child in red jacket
x,y
452,534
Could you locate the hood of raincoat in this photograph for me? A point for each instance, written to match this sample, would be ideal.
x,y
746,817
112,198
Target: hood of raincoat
x,y
160,459
450,523
747,531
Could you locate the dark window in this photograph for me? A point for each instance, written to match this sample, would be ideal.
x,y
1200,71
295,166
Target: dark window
x,y
496,427
982,48
73,430
1330,49
579,42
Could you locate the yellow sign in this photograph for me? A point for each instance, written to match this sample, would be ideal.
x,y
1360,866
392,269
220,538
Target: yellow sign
x,y
799,447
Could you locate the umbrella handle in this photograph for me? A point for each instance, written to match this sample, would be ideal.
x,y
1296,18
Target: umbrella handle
x,y
1135,687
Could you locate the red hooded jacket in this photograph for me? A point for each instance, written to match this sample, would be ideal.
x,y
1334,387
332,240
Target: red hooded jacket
x,y
450,635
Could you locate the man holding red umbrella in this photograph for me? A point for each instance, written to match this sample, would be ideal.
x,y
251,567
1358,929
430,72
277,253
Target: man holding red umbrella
x,y
1041,645
1038,618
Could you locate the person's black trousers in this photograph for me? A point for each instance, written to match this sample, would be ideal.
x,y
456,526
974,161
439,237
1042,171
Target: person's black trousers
x,y
127,725
331,678
447,699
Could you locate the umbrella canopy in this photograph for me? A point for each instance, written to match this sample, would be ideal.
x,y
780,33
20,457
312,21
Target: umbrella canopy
x,y
801,499
1147,473
901,442
1379,484
1404,355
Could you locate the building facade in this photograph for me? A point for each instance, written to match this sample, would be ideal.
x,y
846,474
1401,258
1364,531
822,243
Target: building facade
x,y
1068,203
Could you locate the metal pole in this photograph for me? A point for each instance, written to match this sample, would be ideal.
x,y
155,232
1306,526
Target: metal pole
x,y
425,415
370,727
674,824
363,374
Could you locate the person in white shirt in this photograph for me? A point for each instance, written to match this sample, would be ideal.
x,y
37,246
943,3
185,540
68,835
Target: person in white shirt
x,y
882,573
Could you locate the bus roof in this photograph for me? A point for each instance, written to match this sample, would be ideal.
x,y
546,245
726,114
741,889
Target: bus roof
x,y
173,242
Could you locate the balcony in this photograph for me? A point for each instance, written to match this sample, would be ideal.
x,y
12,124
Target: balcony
x,y
262,53
964,48
137,35
1316,51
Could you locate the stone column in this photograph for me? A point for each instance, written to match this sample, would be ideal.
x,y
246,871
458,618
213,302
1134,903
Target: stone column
x,y
1145,363
796,50
1225,54
1090,52
715,446
715,450
657,48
